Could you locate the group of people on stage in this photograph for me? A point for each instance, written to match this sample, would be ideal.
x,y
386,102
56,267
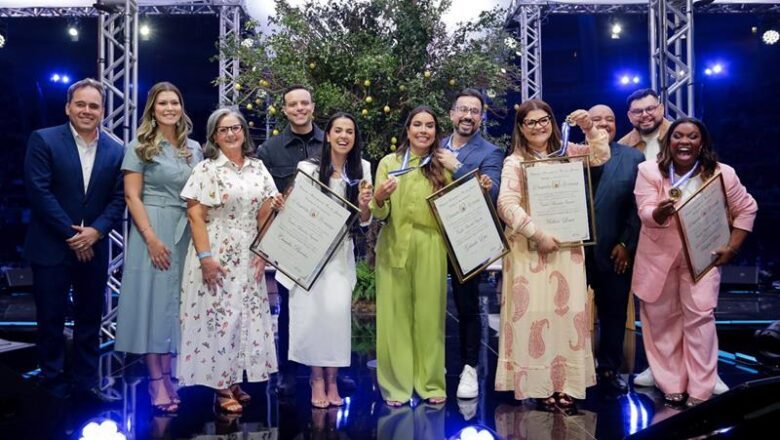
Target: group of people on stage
x,y
193,290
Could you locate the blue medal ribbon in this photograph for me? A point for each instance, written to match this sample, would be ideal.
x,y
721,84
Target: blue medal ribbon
x,y
405,168
346,179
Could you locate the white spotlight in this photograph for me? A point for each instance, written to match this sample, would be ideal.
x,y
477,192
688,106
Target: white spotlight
x,y
73,33
625,79
617,28
770,37
55,78
65,79
145,31
635,80
717,68
708,71
2,41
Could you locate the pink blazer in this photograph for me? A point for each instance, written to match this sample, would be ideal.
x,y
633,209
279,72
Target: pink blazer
x,y
660,245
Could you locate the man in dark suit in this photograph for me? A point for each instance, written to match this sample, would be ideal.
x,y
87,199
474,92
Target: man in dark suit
x,y
608,263
463,152
74,185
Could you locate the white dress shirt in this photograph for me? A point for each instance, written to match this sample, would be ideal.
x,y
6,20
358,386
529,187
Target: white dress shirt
x,y
652,146
87,153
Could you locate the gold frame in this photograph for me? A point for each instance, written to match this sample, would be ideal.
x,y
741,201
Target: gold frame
x,y
686,243
463,277
312,278
584,159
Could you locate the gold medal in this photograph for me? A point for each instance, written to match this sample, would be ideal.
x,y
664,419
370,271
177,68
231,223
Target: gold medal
x,y
570,121
365,185
675,193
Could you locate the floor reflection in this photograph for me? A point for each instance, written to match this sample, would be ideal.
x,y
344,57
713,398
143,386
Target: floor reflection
x,y
523,422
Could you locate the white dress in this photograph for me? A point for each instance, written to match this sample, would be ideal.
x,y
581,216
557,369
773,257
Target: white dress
x,y
321,319
229,332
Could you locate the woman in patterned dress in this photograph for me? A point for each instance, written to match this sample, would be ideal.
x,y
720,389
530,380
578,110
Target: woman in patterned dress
x,y
544,338
157,164
225,315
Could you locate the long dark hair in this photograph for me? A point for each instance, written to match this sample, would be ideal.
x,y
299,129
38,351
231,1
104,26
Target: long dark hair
x,y
519,142
354,165
708,159
434,170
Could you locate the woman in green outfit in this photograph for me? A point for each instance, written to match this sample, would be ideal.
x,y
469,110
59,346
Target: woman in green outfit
x,y
411,266
157,165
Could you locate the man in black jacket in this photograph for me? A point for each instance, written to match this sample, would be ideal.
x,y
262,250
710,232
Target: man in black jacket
x,y
300,140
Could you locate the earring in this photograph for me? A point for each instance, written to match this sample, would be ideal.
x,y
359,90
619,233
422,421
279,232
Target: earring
x,y
154,123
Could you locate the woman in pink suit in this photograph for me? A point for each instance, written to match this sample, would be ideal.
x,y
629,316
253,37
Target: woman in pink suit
x,y
678,319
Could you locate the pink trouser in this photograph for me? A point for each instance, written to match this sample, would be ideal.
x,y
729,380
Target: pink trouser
x,y
680,339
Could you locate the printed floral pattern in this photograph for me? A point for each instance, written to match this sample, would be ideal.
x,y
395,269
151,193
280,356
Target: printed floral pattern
x,y
227,332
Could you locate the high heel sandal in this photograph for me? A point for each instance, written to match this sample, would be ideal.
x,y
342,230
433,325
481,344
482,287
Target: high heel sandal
x,y
332,380
226,402
172,391
321,403
692,401
166,408
564,400
242,396
547,403
674,398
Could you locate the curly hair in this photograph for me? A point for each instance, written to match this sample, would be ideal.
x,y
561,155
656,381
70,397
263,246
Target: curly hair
x,y
150,137
708,159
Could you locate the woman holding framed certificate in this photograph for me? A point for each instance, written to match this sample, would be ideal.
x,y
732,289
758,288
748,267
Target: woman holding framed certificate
x,y
225,314
544,338
677,312
321,318
411,266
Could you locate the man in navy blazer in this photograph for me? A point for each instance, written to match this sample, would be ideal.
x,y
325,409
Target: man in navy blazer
x,y
463,152
74,184
608,263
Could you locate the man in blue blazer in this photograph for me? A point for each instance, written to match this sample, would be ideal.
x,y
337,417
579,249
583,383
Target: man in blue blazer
x,y
608,263
463,152
74,185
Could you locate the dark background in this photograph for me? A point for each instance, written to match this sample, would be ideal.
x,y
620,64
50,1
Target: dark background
x,y
581,67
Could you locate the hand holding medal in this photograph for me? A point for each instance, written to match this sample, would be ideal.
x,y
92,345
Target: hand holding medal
x,y
366,192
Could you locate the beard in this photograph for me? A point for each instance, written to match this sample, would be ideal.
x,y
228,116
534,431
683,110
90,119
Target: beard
x,y
467,132
647,131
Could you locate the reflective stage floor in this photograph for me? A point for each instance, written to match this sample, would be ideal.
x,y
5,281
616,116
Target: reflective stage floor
x,y
29,412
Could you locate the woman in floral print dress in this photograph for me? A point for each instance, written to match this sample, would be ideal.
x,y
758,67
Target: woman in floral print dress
x,y
225,316
544,338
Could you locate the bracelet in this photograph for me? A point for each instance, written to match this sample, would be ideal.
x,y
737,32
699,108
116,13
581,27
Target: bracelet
x,y
202,255
457,167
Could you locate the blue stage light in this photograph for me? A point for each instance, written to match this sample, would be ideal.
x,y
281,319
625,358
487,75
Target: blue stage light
x,y
635,79
65,79
475,432
55,78
106,429
717,68
625,79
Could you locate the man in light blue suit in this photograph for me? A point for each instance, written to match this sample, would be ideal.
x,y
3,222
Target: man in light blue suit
x,y
608,263
74,185
463,152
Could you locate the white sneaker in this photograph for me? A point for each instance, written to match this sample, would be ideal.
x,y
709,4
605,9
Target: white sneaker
x,y
720,387
644,379
468,388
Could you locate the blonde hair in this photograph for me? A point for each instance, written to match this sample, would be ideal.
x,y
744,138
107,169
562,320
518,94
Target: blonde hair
x,y
150,138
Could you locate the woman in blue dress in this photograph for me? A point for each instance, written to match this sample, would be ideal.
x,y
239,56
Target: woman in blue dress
x,y
157,164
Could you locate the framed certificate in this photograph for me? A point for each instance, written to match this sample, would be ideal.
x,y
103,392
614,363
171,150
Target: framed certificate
x,y
469,224
300,239
558,195
704,225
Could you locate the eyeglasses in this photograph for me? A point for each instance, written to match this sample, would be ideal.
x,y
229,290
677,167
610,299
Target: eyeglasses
x,y
232,129
466,110
649,109
541,122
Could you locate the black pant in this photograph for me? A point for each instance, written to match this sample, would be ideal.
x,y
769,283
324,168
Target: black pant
x,y
283,329
466,298
611,293
50,288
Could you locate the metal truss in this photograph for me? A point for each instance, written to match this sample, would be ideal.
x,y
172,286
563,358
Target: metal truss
x,y
553,7
229,29
530,35
194,7
118,71
671,55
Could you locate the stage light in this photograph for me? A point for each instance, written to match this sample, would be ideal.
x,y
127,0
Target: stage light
x,y
718,68
770,37
55,78
635,79
145,32
65,79
2,41
73,33
625,79
3,35
708,71
107,429
474,432
617,28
